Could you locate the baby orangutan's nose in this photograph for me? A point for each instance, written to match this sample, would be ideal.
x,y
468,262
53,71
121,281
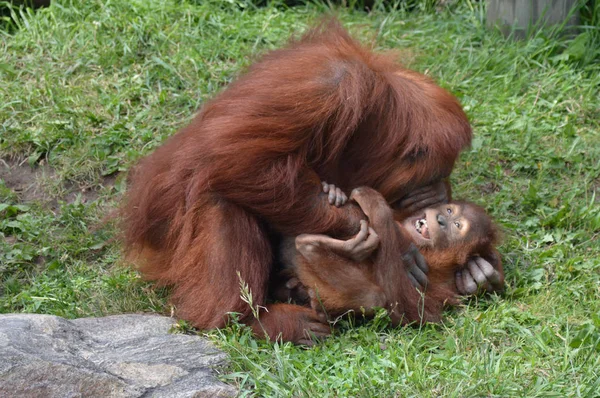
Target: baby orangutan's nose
x,y
441,220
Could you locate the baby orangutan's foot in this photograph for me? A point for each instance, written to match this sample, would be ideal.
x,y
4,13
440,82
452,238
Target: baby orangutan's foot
x,y
357,248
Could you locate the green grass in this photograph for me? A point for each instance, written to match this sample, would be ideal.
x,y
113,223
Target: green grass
x,y
87,87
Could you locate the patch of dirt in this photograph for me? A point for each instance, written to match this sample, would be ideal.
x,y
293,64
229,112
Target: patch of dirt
x,y
89,193
28,183
11,240
23,180
490,187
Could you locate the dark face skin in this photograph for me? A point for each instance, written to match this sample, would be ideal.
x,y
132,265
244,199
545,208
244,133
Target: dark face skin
x,y
442,226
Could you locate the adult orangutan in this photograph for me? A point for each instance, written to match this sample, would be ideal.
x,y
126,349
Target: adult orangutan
x,y
209,202
366,271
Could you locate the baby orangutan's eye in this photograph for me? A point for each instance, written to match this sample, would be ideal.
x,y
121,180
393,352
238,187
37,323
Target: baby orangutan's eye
x,y
457,225
449,210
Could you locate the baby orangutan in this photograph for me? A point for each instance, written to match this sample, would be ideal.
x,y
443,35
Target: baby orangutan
x,y
367,270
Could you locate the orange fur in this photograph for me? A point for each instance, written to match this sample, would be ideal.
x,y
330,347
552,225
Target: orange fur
x,y
206,204
382,280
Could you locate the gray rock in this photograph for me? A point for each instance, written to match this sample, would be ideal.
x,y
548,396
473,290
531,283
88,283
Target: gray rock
x,y
116,356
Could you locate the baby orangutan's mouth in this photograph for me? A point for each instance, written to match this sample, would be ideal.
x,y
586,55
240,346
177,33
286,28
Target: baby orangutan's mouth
x,y
421,227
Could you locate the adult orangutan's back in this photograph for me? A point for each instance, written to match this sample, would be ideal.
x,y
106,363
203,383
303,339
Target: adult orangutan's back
x,y
323,108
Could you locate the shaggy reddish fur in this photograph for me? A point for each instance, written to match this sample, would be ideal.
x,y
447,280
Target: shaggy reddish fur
x,y
204,206
340,284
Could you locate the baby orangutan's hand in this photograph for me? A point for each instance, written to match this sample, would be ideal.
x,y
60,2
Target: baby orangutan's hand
x,y
479,276
336,196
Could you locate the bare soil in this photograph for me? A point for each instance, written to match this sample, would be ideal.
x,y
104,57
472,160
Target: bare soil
x,y
29,183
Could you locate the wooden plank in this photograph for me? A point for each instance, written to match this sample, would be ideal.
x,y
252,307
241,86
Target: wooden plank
x,y
525,14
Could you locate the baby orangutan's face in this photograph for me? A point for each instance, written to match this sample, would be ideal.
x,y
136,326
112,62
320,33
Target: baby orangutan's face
x,y
444,225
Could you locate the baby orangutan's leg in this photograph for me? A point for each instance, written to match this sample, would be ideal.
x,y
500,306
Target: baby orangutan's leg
x,y
336,280
357,249
381,217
